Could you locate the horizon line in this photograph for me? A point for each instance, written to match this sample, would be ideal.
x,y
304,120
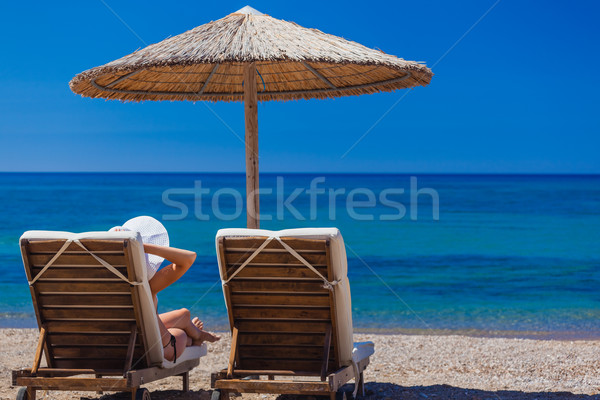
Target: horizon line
x,y
310,173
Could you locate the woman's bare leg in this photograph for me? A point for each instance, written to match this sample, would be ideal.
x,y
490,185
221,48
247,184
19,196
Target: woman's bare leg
x,y
181,342
180,319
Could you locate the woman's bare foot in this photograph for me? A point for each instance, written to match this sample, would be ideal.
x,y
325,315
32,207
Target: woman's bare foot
x,y
199,324
204,335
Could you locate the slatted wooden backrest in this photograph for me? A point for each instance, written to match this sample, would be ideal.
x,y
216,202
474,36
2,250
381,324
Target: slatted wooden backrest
x,y
280,307
88,312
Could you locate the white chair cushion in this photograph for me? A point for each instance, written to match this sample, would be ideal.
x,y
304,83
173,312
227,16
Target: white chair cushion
x,y
190,353
362,350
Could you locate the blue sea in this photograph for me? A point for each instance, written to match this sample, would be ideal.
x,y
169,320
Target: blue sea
x,y
492,255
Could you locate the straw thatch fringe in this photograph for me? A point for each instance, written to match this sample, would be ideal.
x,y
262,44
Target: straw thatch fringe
x,y
206,63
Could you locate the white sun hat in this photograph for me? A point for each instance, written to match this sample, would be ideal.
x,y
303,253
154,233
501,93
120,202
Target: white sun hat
x,y
152,232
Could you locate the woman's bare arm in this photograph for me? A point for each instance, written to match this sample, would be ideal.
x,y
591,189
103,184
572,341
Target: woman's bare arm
x,y
181,261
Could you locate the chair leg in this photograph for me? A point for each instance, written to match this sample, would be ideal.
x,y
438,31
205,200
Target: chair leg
x,y
186,381
133,393
97,377
30,393
339,395
224,395
361,384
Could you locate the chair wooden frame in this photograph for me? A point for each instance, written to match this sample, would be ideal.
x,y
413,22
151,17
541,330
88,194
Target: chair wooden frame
x,y
301,324
91,330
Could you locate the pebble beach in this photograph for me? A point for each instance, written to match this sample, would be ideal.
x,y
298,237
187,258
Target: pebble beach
x,y
403,367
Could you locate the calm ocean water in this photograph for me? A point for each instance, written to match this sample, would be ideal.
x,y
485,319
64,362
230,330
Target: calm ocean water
x,y
509,255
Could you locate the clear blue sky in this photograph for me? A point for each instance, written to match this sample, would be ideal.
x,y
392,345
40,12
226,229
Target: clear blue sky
x,y
519,93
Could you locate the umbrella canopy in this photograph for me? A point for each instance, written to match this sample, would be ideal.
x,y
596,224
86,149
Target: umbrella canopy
x,y
249,56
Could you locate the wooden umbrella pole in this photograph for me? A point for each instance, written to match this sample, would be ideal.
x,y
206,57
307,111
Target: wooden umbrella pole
x,y
250,110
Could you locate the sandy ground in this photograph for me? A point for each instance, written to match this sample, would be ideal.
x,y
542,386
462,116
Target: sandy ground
x,y
403,367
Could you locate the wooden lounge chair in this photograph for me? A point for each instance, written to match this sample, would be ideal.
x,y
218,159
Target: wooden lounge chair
x,y
96,316
288,301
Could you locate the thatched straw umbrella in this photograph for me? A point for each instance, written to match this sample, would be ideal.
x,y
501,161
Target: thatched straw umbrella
x,y
249,56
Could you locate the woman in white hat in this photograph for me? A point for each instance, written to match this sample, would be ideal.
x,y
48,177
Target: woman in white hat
x,y
177,329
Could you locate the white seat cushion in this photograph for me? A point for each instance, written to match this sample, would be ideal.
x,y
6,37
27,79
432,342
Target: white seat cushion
x,y
190,353
362,350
